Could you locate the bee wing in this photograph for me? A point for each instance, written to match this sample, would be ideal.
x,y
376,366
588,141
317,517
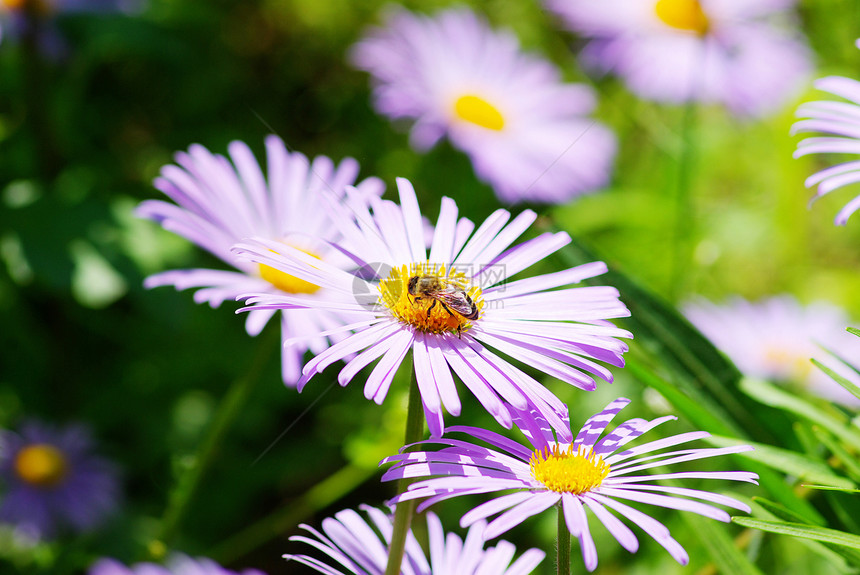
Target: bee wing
x,y
457,300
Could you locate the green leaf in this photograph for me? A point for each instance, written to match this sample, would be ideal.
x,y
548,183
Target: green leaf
x,y
778,511
692,410
720,545
851,387
789,462
853,330
830,488
769,510
838,451
835,422
813,532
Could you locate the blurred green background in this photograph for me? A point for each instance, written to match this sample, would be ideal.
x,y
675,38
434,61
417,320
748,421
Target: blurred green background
x,y
82,136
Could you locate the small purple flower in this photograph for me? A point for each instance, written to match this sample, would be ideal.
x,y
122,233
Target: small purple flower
x,y
177,565
841,122
456,308
53,480
725,51
589,473
219,202
360,549
528,134
775,338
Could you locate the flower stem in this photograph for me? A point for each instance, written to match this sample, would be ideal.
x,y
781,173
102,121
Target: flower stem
x,y
684,217
563,543
403,512
227,411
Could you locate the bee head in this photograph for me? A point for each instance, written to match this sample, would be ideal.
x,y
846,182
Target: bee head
x,y
412,285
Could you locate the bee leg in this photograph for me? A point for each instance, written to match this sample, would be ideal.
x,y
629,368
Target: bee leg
x,y
442,303
432,305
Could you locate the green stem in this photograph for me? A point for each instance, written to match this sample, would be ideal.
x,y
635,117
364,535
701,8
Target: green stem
x,y
684,216
563,542
227,411
403,512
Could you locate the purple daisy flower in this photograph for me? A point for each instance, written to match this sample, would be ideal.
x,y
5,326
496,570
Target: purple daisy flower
x,y
177,565
775,338
220,203
528,134
54,481
451,306
589,473
362,550
724,51
841,121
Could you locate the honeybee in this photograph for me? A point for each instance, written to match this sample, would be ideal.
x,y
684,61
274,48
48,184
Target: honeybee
x,y
451,297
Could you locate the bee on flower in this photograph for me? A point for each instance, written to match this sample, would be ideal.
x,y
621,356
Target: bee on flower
x,y
457,309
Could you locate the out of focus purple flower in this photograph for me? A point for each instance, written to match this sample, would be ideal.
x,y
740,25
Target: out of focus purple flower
x,y
177,565
360,549
528,134
587,473
53,480
841,122
775,338
737,53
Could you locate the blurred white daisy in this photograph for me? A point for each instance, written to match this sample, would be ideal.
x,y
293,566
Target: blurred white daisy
x,y
528,134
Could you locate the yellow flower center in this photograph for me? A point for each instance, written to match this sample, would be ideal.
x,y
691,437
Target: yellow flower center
x,y
285,282
41,465
568,471
780,359
683,15
474,109
430,298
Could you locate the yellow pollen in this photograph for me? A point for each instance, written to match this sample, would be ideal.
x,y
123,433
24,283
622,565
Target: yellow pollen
x,y
41,465
478,111
683,15
426,311
285,282
568,471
